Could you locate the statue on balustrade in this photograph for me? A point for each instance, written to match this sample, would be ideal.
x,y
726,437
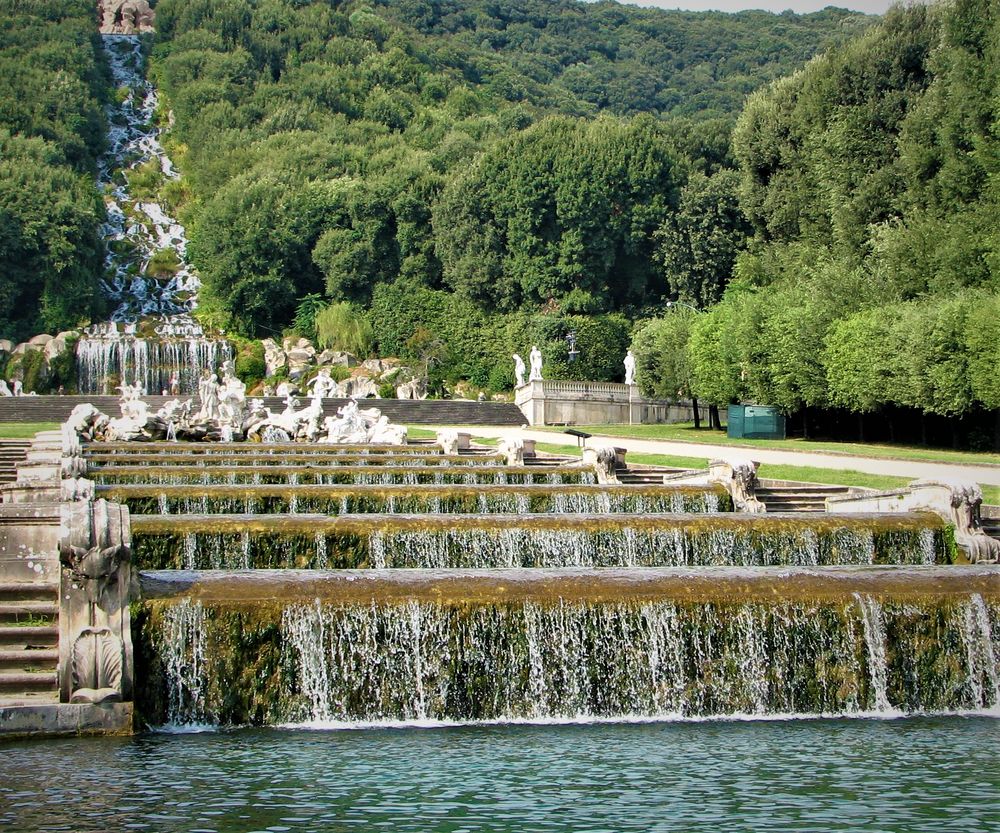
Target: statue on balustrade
x,y
535,358
518,370
629,368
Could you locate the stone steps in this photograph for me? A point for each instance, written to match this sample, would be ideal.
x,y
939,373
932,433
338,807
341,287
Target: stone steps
x,y
14,683
798,498
29,641
28,659
13,637
16,611
402,411
652,474
12,453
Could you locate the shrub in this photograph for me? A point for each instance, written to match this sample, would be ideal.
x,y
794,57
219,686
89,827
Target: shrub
x,y
250,365
344,327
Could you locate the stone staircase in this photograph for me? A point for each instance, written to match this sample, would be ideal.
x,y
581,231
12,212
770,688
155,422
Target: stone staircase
x,y
29,603
644,474
29,643
990,521
799,497
12,452
402,411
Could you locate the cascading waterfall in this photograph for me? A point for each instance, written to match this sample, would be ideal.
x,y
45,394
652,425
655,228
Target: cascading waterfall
x,y
222,542
182,500
521,661
984,678
183,652
531,602
148,280
153,363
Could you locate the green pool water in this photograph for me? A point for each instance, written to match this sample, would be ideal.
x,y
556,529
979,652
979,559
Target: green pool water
x,y
906,775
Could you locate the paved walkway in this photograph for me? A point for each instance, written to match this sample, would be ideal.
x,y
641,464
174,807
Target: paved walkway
x,y
988,475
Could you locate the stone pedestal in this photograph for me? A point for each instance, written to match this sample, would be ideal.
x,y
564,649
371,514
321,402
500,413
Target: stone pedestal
x,y
95,632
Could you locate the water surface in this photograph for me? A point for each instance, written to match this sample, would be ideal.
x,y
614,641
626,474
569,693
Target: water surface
x,y
913,775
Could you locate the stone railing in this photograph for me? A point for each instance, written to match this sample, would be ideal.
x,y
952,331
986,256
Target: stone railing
x,y
559,402
557,387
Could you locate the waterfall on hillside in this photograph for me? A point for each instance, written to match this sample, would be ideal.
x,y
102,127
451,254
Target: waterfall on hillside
x,y
153,290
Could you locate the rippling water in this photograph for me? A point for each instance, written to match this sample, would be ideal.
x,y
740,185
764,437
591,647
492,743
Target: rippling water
x,y
813,775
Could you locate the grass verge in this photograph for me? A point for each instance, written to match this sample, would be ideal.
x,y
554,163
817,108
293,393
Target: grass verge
x,y
24,430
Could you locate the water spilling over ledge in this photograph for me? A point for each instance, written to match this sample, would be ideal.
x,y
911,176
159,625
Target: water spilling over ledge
x,y
103,364
457,645
346,541
332,474
410,499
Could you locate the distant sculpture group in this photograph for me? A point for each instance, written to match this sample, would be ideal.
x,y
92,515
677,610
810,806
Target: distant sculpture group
x,y
125,17
225,415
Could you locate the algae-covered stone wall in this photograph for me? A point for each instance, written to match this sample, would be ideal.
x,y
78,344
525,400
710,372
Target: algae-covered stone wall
x,y
276,662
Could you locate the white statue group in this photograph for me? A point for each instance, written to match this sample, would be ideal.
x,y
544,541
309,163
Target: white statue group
x,y
224,415
535,358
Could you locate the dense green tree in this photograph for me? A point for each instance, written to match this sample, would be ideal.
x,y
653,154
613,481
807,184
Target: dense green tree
x,y
51,133
699,242
566,205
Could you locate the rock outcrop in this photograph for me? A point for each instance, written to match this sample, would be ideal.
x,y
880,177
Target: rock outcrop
x,y
124,17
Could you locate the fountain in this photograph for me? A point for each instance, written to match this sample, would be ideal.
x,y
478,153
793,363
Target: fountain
x,y
284,585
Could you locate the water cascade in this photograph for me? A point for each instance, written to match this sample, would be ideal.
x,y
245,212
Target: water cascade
x,y
554,540
148,282
103,363
328,585
332,475
510,646
215,498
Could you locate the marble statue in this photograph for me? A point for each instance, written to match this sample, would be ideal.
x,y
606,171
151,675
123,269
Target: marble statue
x,y
518,370
535,358
232,394
4,390
323,384
208,393
629,368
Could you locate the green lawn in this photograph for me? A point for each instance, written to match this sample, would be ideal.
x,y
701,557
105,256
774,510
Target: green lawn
x,y
686,432
24,430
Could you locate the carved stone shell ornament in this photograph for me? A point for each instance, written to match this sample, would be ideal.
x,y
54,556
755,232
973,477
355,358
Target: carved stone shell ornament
x,y
97,667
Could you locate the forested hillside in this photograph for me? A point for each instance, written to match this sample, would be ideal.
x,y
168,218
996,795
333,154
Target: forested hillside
x,y
870,282
436,165
51,132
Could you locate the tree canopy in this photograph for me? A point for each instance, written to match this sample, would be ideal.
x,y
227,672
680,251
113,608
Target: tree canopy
x,y
51,133
869,182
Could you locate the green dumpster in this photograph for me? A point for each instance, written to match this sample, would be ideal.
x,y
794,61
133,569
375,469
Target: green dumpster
x,y
756,422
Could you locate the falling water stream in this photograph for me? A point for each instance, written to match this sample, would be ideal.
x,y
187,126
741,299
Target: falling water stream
x,y
153,290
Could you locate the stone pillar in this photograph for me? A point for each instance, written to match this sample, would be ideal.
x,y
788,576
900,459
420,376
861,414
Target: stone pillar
x,y
530,398
96,586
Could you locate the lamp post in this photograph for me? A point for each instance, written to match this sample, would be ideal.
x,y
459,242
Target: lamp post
x,y
574,354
